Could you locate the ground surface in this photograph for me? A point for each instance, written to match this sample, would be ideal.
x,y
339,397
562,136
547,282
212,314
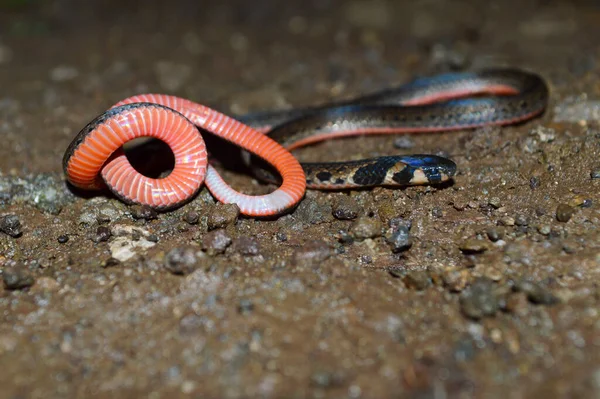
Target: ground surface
x,y
497,296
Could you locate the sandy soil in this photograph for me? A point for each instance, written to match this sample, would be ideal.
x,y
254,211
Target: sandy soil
x,y
487,287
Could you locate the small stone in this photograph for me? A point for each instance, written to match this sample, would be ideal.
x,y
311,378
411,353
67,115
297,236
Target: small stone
x,y
437,212
310,211
62,239
569,246
399,238
345,208
417,280
564,213
102,234
460,205
143,212
215,242
521,220
246,306
281,236
479,300
534,182
11,225
17,277
191,217
595,174
494,234
456,280
544,229
473,246
366,227
404,143
506,221
587,203
181,260
247,246
536,293
223,215
312,253
495,202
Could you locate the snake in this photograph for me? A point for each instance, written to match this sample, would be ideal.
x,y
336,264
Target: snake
x,y
446,102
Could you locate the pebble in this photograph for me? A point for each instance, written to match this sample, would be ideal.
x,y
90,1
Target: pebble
x,y
456,280
11,225
544,229
143,212
181,260
479,300
506,221
62,239
564,212
437,212
595,174
312,254
494,233
312,212
215,242
102,234
495,202
417,280
536,293
17,277
473,246
366,227
521,220
247,246
399,238
345,208
534,182
223,215
191,217
404,143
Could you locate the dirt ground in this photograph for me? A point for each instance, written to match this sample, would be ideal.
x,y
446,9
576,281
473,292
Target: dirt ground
x,y
486,287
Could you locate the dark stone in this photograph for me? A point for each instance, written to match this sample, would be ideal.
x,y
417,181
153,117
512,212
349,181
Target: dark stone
x,y
564,213
345,208
11,225
143,212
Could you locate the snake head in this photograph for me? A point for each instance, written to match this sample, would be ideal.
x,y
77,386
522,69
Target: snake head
x,y
429,169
